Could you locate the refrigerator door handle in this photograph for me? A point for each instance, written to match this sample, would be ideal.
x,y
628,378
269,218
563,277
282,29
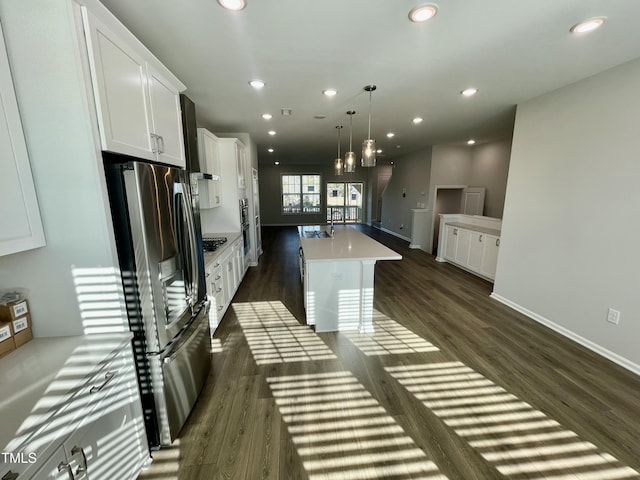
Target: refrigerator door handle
x,y
185,344
184,218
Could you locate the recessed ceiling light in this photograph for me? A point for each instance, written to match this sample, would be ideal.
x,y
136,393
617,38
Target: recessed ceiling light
x,y
270,150
267,116
417,120
423,12
233,4
271,132
391,135
319,117
471,141
276,163
588,25
469,92
257,84
330,92
379,150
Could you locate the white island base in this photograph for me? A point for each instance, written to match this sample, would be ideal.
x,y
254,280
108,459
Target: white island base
x,y
338,278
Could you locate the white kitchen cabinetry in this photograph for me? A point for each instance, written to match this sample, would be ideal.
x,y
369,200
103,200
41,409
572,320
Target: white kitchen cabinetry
x,y
472,248
137,98
210,194
19,212
490,255
87,422
224,274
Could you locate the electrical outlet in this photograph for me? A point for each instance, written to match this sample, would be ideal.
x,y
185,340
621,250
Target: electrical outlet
x,y
613,316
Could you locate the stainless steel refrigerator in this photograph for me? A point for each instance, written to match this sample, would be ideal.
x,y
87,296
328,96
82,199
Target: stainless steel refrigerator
x,y
157,235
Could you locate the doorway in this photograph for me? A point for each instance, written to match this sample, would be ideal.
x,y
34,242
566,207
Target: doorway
x,y
344,202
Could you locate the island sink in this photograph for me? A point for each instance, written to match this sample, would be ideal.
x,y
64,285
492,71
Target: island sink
x,y
337,277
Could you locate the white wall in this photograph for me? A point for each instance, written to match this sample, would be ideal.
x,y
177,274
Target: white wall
x,y
489,167
45,60
569,247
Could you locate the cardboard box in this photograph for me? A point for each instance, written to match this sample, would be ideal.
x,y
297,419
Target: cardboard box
x,y
13,310
21,330
6,338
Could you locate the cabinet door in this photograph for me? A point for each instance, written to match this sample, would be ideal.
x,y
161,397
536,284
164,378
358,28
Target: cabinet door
x,y
451,241
119,77
167,118
462,247
55,468
476,244
210,163
240,165
19,212
490,256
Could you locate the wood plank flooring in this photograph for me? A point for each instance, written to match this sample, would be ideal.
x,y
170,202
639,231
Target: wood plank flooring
x,y
452,385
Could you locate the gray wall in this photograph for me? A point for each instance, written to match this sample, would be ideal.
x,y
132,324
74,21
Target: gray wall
x,y
485,165
270,195
488,168
571,225
411,174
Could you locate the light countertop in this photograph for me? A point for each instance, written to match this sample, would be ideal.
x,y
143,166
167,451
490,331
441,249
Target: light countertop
x,y
40,376
347,244
210,257
475,228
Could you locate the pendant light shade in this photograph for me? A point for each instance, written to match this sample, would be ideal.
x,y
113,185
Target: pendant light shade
x,y
350,157
369,145
337,166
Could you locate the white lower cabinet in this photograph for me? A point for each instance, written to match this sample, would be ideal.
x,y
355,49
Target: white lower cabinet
x,y
224,276
97,433
472,250
490,256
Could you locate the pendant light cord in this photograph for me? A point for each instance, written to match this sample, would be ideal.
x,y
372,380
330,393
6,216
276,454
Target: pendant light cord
x,y
369,137
350,131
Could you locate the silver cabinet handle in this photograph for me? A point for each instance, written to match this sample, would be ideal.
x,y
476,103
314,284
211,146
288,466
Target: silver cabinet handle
x,y
216,265
218,290
107,378
160,143
62,466
455,231
83,468
220,307
10,475
154,142
497,242
218,277
480,239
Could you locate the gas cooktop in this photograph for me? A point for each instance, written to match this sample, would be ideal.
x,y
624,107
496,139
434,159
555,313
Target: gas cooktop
x,y
210,244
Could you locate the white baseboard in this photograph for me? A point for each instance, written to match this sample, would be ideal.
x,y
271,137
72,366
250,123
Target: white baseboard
x,y
594,347
390,232
414,246
440,259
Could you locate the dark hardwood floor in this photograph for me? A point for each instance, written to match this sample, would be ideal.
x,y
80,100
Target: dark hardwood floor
x,y
452,385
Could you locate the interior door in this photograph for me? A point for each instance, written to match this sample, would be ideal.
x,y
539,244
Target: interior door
x,y
472,201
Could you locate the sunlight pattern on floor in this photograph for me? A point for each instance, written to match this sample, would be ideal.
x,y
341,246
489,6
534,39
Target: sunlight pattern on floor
x,y
389,338
342,433
518,440
275,336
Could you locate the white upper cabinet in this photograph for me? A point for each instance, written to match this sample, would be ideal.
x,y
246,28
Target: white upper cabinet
x,y
137,98
19,213
209,156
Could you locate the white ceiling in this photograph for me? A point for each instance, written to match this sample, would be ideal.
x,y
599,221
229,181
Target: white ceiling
x,y
511,50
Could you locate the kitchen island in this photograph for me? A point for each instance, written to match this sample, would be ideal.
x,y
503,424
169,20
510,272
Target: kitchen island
x,y
337,275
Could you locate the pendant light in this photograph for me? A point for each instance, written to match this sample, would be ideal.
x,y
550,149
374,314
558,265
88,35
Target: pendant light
x,y
350,157
338,162
369,145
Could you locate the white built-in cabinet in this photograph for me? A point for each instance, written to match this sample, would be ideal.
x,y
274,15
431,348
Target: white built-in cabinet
x,y
137,98
209,156
88,424
471,248
224,275
19,213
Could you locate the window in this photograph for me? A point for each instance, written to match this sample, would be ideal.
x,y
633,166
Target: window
x,y
344,202
301,194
